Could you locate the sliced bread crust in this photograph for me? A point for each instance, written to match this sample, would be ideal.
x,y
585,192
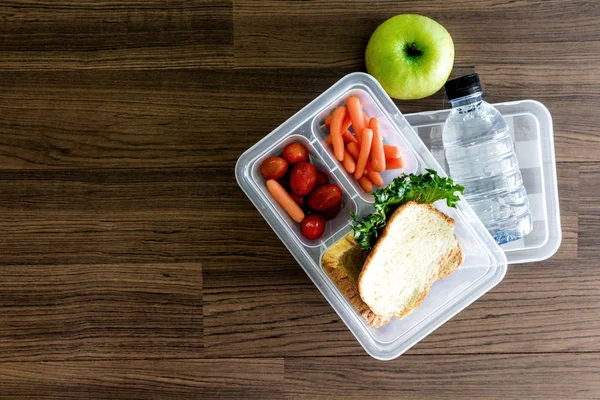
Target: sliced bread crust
x,y
343,262
448,263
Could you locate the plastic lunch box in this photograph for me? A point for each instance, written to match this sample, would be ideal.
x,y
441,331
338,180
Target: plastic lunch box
x,y
484,265
530,125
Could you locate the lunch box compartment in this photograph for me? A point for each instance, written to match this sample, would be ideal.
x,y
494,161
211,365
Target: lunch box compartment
x,y
332,226
389,133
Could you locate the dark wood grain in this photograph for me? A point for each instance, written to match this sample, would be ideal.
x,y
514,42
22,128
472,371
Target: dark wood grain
x,y
108,311
541,307
589,219
126,119
528,376
130,216
132,265
116,34
144,379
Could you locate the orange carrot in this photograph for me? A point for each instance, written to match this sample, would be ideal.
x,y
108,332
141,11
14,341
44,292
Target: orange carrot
x,y
345,125
348,137
393,163
365,149
365,184
373,176
377,154
336,133
355,110
353,149
285,200
347,122
349,164
366,119
391,151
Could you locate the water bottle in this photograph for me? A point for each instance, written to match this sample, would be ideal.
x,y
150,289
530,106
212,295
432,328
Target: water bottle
x,y
481,156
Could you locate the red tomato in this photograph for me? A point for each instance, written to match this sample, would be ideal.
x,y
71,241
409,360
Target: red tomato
x,y
273,168
325,197
332,212
295,153
313,226
303,178
298,199
322,178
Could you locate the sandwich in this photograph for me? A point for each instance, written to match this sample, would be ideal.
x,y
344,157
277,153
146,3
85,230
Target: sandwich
x,y
385,267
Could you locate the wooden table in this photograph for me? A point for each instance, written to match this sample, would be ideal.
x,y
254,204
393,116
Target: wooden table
x,y
132,265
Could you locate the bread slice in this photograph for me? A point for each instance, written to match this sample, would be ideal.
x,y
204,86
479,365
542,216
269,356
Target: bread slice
x,y
343,262
416,248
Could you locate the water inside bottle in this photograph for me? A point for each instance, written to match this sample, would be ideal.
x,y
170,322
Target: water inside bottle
x,y
480,155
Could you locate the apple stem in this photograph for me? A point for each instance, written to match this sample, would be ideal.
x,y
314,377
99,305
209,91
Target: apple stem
x,y
412,51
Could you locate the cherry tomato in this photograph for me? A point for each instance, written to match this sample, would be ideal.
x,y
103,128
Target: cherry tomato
x,y
298,199
303,178
295,153
332,212
325,197
273,168
313,226
322,178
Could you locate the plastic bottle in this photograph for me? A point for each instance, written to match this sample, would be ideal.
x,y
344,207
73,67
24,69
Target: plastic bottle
x,y
480,154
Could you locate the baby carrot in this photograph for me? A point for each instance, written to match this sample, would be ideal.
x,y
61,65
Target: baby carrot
x,y
353,149
377,155
349,164
355,111
391,151
347,122
348,137
373,176
393,163
285,200
345,125
365,149
336,133
366,119
365,184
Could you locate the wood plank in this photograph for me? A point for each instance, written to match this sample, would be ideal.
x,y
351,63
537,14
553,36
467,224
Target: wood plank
x,y
117,311
531,376
49,35
253,308
589,218
541,307
144,379
125,119
261,29
102,119
126,216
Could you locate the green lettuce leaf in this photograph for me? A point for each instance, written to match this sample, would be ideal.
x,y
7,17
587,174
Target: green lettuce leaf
x,y
424,188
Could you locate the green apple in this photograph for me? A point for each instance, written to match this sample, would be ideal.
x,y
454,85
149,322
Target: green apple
x,y
411,56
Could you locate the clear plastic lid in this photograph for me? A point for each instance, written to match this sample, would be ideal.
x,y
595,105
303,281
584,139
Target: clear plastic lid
x,y
530,125
484,265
